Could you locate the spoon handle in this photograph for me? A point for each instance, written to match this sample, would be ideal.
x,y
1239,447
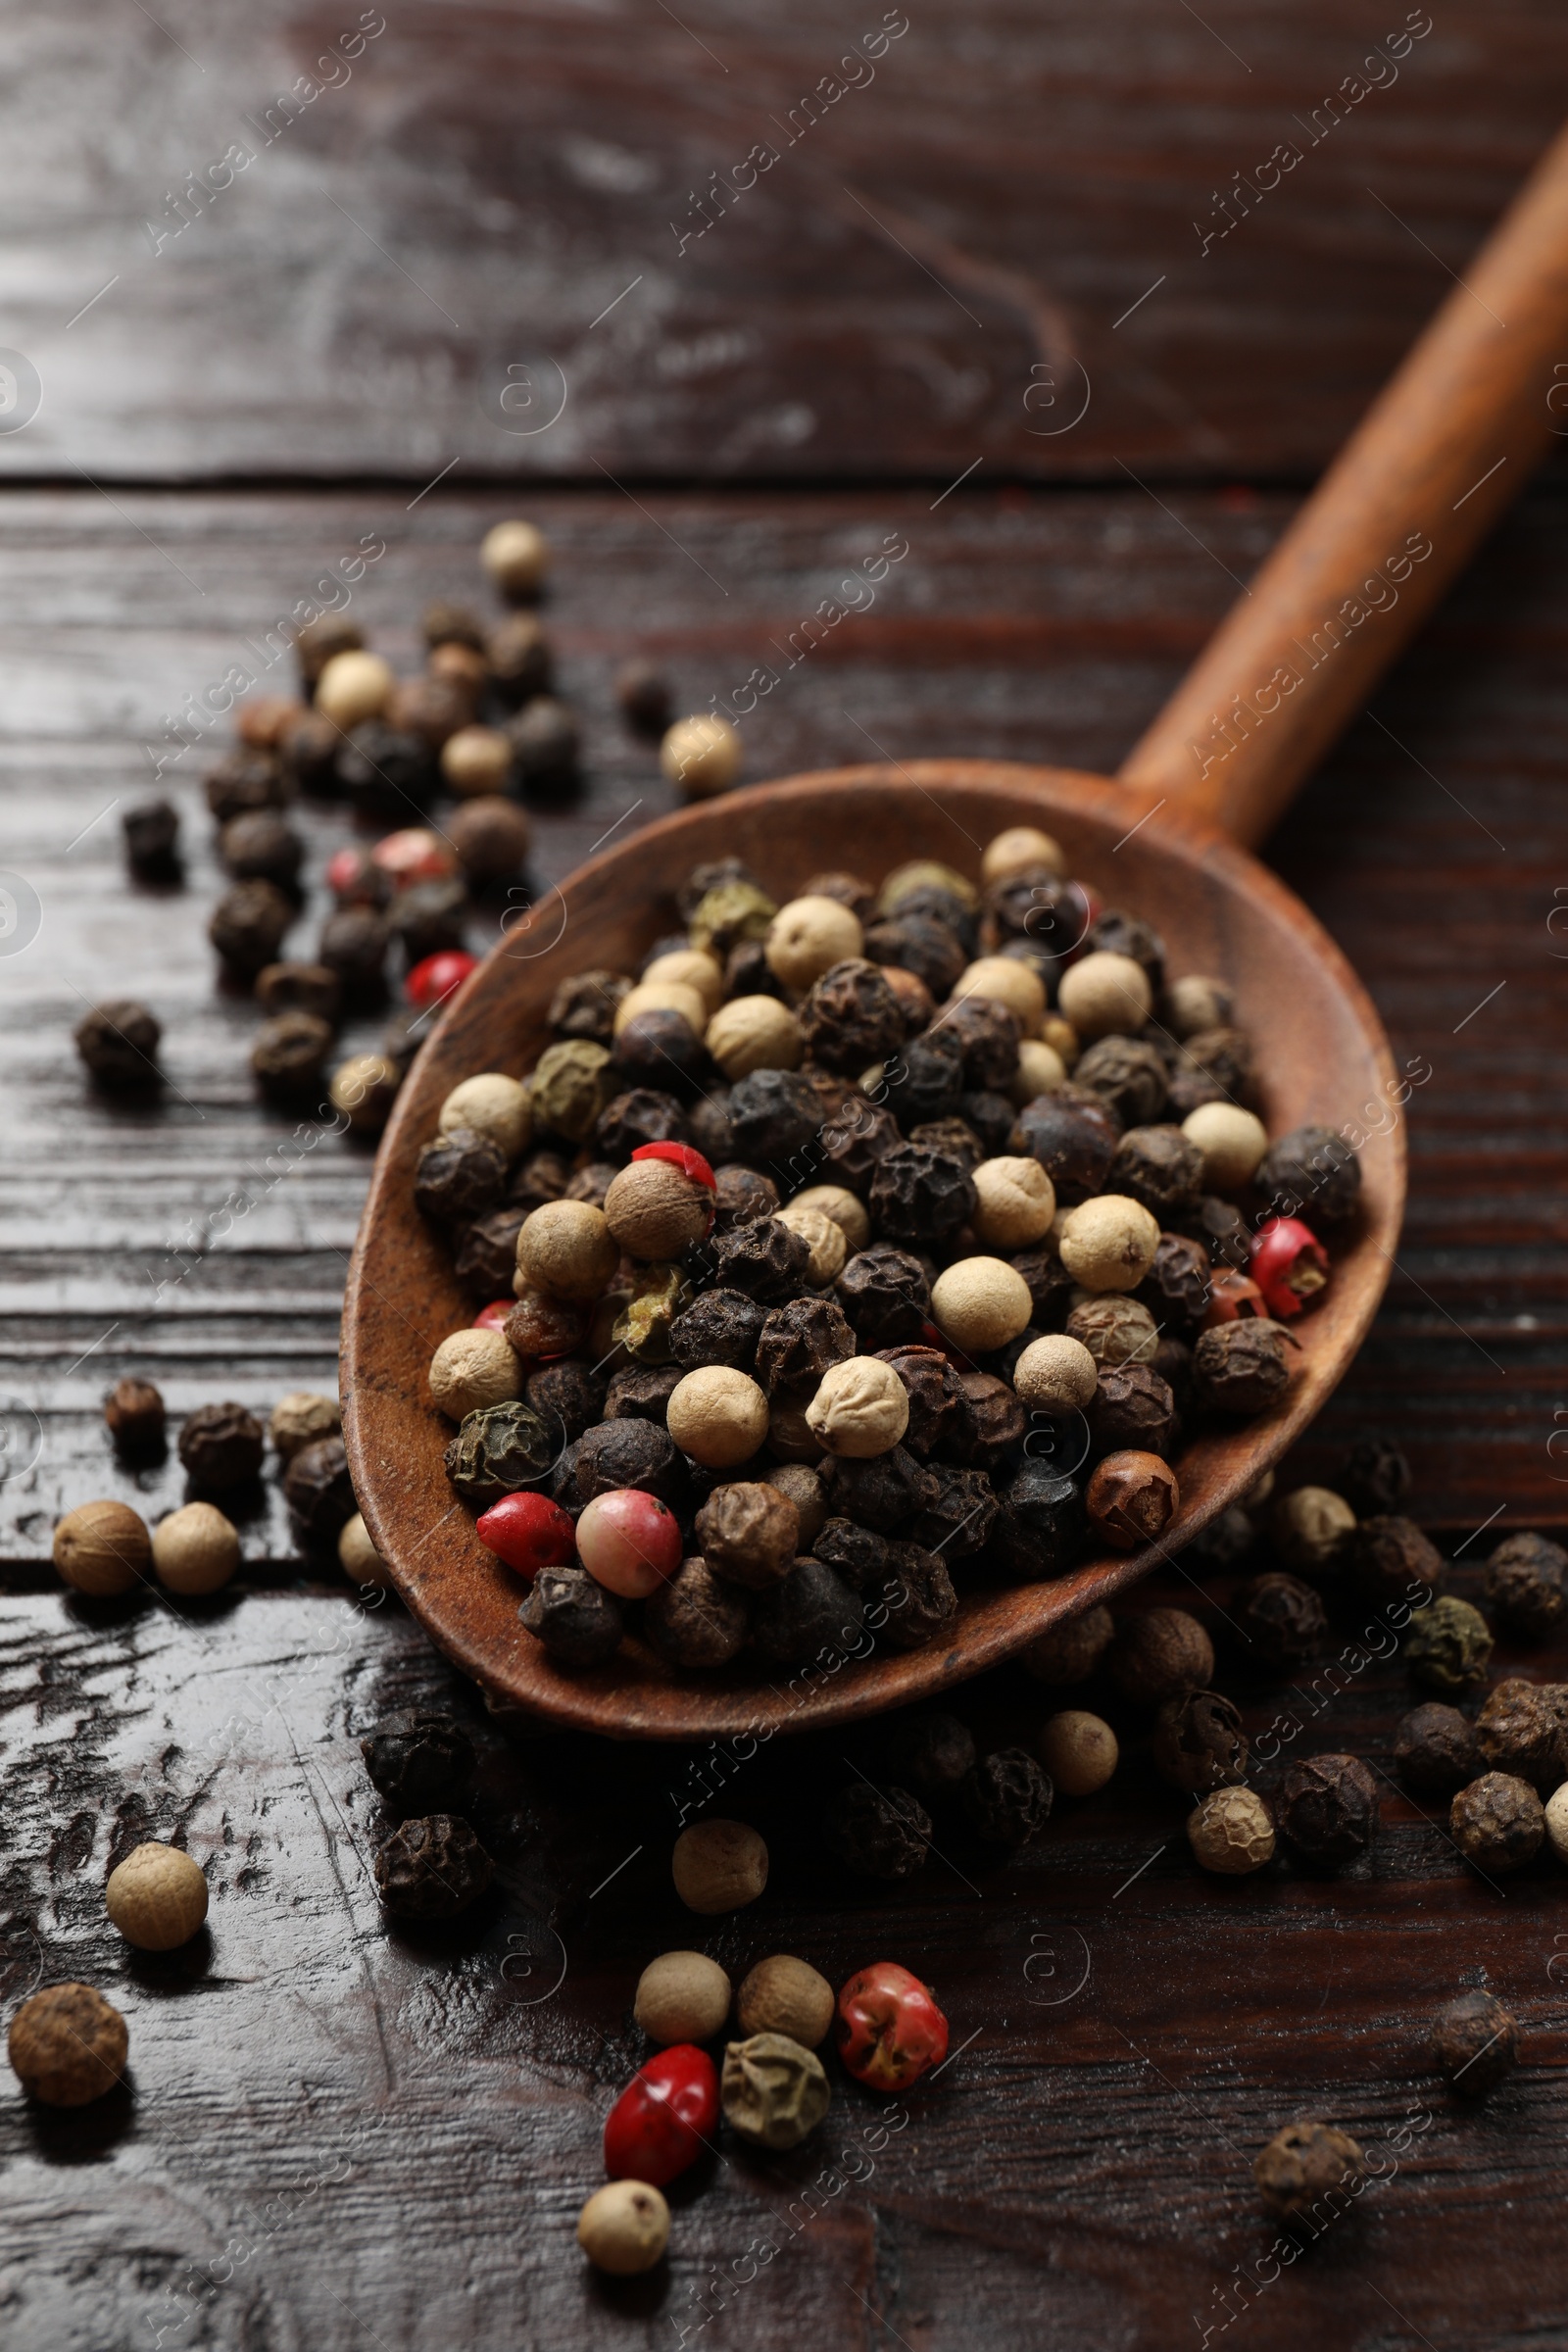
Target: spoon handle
x,y
1437,459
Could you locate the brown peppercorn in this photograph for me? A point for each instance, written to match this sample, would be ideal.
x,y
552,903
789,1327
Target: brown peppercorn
x,y
741,1194
1309,2173
719,1866
419,1762
1079,1750
584,1006
320,641
1115,1330
1526,1584
1312,1173
1390,1559
642,1392
245,779
878,1832
67,2045
1179,1285
696,1620
353,944
885,1294
490,835
930,952
919,1194
1159,1654
1435,1750
1328,1809
1074,1134
784,1996
856,1141
1521,1730
103,1549
774,2091
248,925
1313,1528
152,839
1377,1477
917,1601
289,1053
544,738
1281,1621
1132,1499
1131,1078
542,1325
1157,1166
459,1176
1072,1650
931,1753
1198,1743
936,1397
1242,1367
430,918
576,1620
1476,2044
851,1017
1497,1822
810,1613
312,988
748,1531
486,1256
134,1410
765,1259
316,1488
221,1447
432,1868
1132,1407
1007,1797
118,1044
261,846
719,1327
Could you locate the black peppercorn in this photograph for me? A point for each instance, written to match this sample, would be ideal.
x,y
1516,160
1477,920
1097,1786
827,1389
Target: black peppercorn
x,y
1115,933
1050,1286
855,1142
1389,1559
1328,1809
543,1176
1074,1134
1312,1173
353,944
1179,1284
221,1447
1132,1406
118,1044
1222,1055
709,1118
1242,1367
932,951
641,1115
642,1392
719,1327
491,838
1198,1743
1435,1750
544,738
1377,1477
1304,2168
1226,1540
858,1553
643,694
1474,2041
288,1055
885,1294
926,1078
990,1424
1221,1229
1497,1822
133,1413
486,1258
987,1034
317,1491
876,1833
765,1259
584,1006
306,753
1039,909
428,919
499,1449
697,1621
1525,1584
935,1394
916,1602
955,1137
991,1116
248,925
241,781
882,1492
459,1176
932,902
1128,1075
958,1523
771,1113
1158,1167
299,987
1279,1620
741,1195
419,1762
385,771
261,846
576,1620
810,1611
1040,1524
152,839
851,1017
797,1343
567,1396
432,1868
621,1453
1007,1797
920,1195
931,1753
1190,1089
1520,1730
519,656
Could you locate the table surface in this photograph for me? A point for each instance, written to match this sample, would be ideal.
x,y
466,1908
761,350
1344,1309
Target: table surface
x,y
334,2135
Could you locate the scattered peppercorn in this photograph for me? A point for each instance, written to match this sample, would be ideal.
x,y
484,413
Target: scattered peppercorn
x,y
221,1448
1007,1797
1521,1730
1448,1644
432,1868
1476,2044
1279,1620
134,1411
157,1897
1435,1750
1377,1477
774,2091
420,1762
1198,1743
1526,1584
118,1044
719,1866
67,2045
1497,1822
1390,1559
1328,1809
1072,1650
876,1833
1305,2166
1231,1832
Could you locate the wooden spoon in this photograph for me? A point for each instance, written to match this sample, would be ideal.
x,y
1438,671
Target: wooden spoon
x,y
1442,451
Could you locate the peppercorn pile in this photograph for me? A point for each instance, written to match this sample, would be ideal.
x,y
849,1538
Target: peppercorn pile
x,y
484,728
855,1250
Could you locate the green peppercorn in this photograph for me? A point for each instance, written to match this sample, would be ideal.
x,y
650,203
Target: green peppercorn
x,y
1449,1644
731,912
570,1088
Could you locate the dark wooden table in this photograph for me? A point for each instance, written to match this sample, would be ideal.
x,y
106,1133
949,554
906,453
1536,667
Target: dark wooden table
x,y
335,2136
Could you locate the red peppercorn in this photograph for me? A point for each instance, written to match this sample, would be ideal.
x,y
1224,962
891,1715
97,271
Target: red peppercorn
x,y
528,1532
437,976
494,1316
1232,1298
414,854
664,2118
680,1156
888,2028
1290,1264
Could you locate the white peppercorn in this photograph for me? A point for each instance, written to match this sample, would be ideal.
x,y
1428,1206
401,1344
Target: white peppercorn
x,y
810,935
1017,1201
301,1418
490,1105
1109,1243
476,760
980,1304
700,756
1233,1141
357,1555
353,687
157,1897
848,1212
103,1549
470,1369
861,1409
1055,1374
1042,1068
1079,1751
1020,850
823,1237
755,1033
682,1996
1105,995
1231,1832
568,1246
516,555
195,1550
1006,980
625,2227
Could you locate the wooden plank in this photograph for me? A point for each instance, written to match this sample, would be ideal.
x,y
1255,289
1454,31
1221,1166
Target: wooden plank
x,y
998,206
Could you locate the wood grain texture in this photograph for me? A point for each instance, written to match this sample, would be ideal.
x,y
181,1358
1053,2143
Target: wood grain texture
x,y
964,235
